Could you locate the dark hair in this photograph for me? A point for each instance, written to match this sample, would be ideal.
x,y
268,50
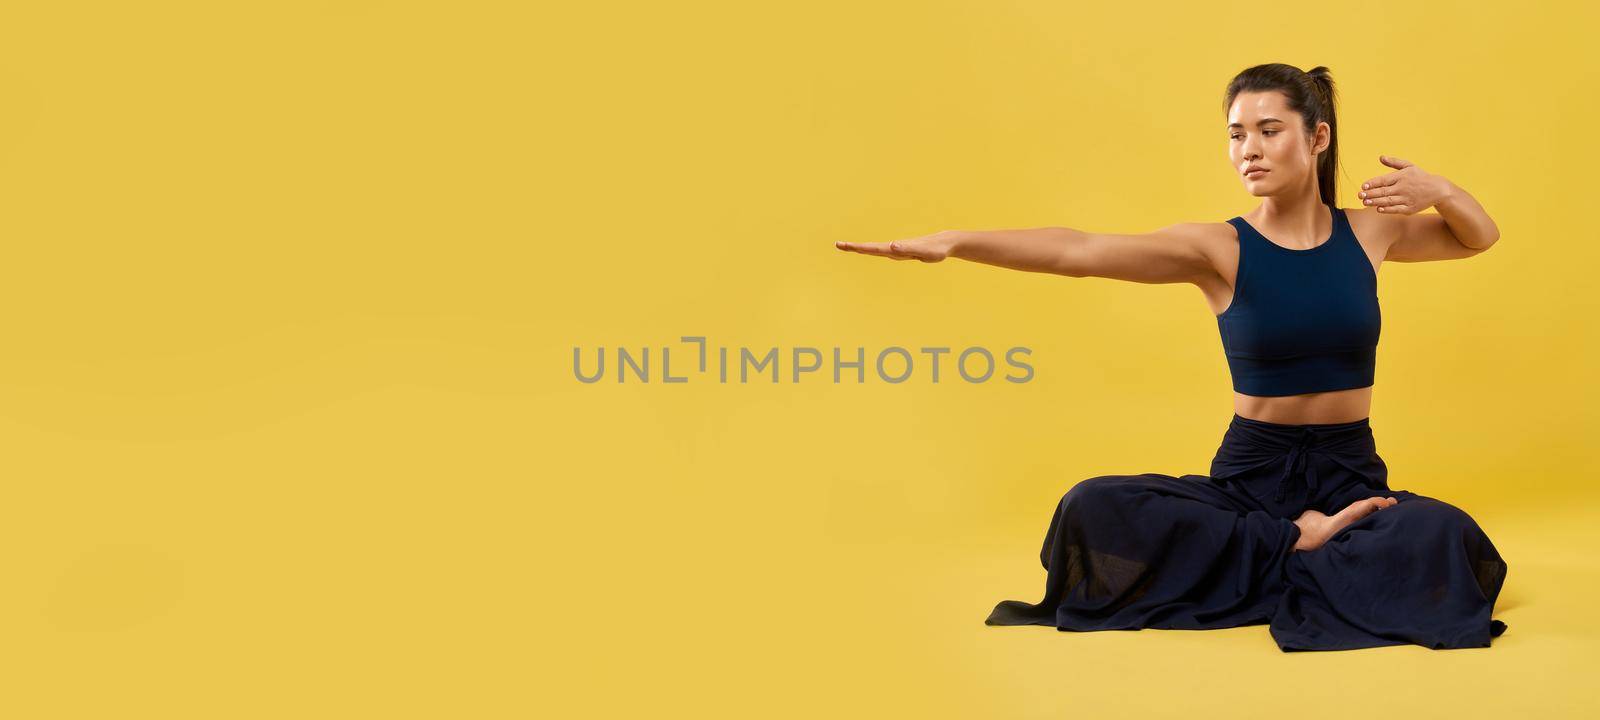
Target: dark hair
x,y
1311,95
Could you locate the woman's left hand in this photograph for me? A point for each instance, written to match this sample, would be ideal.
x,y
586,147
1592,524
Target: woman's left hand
x,y
1406,191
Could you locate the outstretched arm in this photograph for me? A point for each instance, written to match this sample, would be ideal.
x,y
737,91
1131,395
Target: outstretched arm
x,y
1461,229
1169,255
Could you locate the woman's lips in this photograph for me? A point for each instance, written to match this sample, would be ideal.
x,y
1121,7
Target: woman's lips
x,y
1256,173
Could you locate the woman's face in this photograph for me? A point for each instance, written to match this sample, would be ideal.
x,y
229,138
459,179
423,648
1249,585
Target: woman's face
x,y
1263,132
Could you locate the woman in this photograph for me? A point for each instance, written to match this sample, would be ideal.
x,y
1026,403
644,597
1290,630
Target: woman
x,y
1296,525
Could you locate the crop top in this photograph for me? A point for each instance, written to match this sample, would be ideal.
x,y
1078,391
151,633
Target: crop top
x,y
1301,321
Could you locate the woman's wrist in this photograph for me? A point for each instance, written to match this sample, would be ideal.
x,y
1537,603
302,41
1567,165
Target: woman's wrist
x,y
955,240
1447,191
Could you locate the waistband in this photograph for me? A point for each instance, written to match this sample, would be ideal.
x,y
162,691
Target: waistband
x,y
1250,444
1242,420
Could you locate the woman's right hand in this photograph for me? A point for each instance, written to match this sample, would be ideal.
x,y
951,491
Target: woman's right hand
x,y
928,248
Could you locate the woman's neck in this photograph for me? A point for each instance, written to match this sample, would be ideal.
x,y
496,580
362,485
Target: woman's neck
x,y
1296,219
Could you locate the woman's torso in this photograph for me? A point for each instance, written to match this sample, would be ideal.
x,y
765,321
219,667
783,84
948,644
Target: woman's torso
x,y
1335,406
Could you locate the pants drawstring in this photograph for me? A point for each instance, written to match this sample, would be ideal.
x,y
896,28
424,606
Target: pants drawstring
x,y
1296,463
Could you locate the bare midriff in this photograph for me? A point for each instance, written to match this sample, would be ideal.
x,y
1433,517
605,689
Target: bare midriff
x,y
1337,406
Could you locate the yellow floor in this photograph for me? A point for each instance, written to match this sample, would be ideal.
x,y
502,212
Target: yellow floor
x,y
1540,667
899,633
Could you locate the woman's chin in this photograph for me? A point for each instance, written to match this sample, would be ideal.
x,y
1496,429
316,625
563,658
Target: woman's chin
x,y
1258,190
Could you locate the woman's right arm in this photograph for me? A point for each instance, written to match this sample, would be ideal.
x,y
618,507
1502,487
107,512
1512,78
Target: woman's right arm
x,y
1170,255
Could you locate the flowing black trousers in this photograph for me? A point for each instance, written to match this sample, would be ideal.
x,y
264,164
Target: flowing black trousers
x,y
1197,552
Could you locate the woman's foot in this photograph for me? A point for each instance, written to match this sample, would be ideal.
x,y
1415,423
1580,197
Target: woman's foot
x,y
1316,528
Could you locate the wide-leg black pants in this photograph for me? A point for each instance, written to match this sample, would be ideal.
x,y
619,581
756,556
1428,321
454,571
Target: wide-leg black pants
x,y
1199,552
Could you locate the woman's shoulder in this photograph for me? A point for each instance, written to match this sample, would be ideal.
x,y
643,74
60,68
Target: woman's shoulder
x,y
1196,234
1218,242
1372,227
1208,231
1217,235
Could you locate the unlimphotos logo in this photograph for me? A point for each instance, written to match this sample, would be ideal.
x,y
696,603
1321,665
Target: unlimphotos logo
x,y
894,364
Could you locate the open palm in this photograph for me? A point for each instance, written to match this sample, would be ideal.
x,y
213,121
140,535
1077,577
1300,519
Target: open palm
x,y
928,248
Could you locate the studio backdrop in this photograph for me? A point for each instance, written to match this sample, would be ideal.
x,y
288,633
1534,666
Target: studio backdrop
x,y
494,359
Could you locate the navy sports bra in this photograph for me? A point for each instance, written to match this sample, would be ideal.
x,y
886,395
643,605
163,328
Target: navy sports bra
x,y
1301,321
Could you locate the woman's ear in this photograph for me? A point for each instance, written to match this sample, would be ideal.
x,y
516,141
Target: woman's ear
x,y
1322,138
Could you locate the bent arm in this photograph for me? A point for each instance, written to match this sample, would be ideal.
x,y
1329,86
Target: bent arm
x,y
1468,221
1169,255
1461,229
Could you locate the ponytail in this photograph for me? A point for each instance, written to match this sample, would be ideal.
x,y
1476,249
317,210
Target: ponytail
x,y
1328,161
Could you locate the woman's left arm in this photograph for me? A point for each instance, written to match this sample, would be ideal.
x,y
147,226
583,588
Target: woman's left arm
x,y
1461,229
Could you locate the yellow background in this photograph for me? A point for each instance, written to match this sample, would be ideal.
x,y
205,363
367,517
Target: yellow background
x,y
290,427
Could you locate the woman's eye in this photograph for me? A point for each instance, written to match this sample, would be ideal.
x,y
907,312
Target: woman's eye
x,y
1269,132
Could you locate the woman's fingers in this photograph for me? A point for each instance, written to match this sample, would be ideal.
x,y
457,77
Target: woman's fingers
x,y
1394,162
1394,204
924,249
881,249
919,249
1380,192
1381,181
